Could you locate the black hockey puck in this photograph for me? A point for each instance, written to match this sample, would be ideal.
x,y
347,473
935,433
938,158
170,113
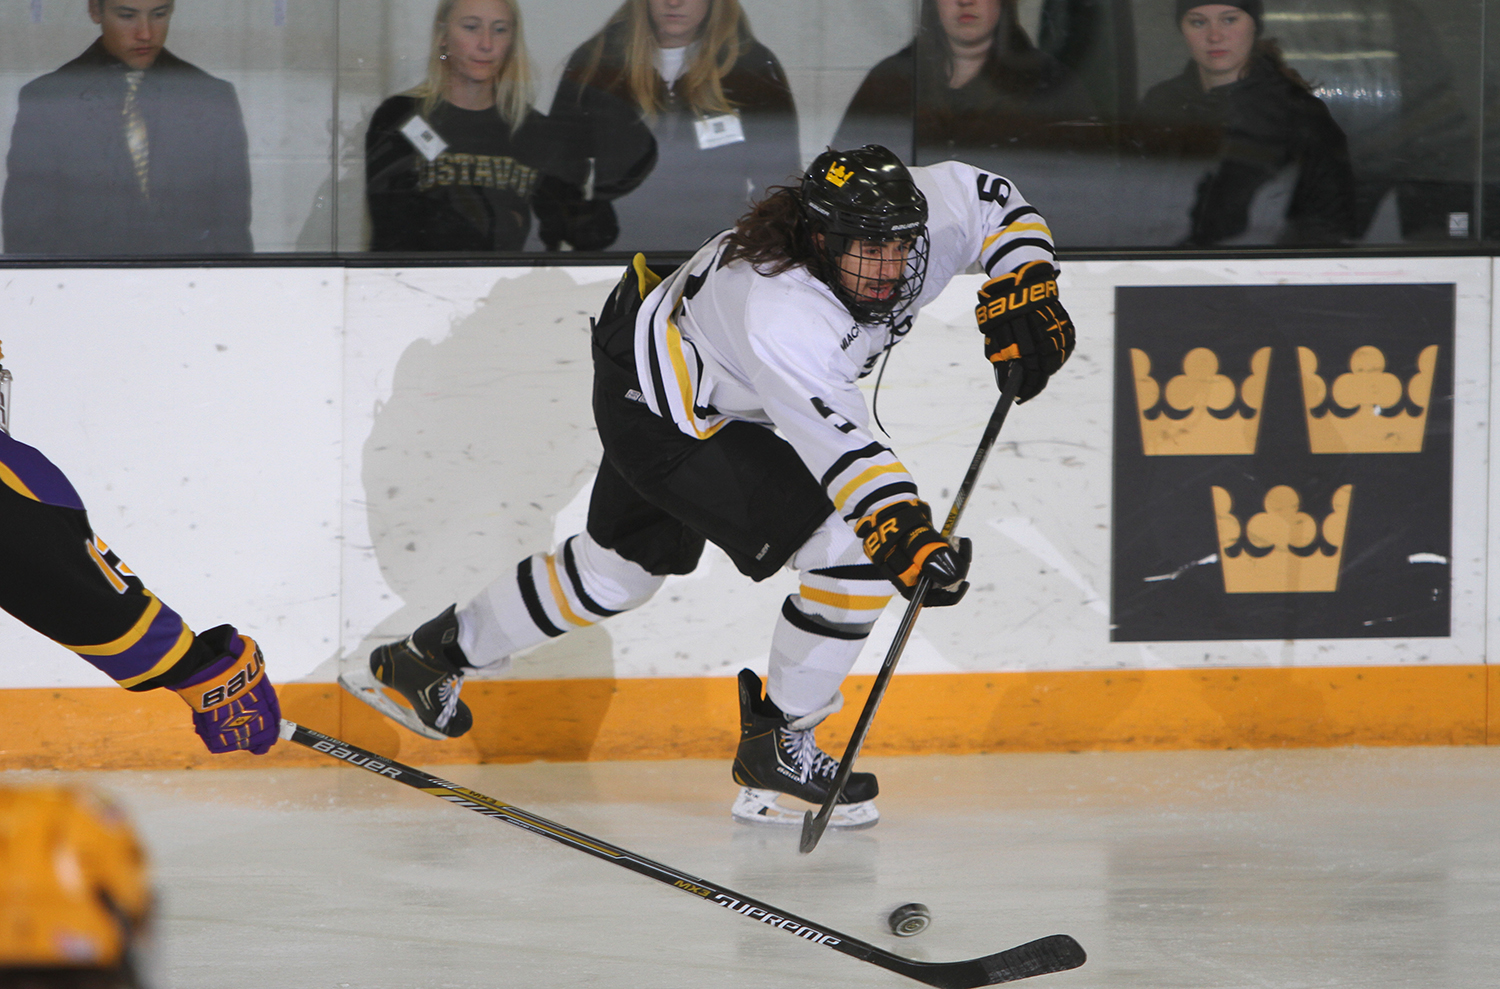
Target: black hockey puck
x,y
909,919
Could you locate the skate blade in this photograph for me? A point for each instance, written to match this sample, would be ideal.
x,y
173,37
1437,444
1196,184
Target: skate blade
x,y
761,807
363,685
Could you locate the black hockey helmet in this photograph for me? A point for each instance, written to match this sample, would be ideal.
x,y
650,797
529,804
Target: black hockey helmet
x,y
866,195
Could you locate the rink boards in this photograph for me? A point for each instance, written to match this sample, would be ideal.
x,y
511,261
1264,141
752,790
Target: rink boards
x,y
1166,553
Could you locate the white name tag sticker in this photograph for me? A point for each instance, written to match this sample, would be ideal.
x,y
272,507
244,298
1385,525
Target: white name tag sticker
x,y
420,133
715,132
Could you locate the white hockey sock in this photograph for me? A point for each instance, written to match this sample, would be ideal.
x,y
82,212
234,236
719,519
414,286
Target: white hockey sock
x,y
823,627
809,661
547,595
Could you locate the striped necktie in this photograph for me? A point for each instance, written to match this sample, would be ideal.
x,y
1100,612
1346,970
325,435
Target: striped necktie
x,y
135,132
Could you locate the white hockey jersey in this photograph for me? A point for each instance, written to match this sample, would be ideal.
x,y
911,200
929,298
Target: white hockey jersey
x,y
715,344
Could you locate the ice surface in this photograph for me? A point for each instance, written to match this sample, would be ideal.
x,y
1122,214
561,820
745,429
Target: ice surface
x,y
1364,868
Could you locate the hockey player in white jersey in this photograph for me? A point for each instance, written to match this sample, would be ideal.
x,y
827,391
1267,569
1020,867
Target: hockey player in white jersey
x,y
727,400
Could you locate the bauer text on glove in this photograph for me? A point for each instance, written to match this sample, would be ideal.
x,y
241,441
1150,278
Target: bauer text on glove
x,y
900,540
234,705
1024,323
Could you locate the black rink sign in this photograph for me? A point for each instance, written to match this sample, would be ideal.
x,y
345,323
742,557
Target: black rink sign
x,y
1283,462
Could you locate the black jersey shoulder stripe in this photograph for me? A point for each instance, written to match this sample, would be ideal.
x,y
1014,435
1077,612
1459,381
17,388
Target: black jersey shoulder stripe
x,y
843,463
798,620
533,602
1017,244
571,566
880,494
1017,213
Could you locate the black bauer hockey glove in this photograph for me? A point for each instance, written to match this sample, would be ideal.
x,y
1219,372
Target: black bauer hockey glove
x,y
1023,322
901,542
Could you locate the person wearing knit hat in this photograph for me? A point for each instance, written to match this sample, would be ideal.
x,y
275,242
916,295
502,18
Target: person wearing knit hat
x,y
1254,8
1239,108
1221,38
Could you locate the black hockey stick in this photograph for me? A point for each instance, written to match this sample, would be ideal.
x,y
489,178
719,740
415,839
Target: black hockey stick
x,y
1056,953
814,826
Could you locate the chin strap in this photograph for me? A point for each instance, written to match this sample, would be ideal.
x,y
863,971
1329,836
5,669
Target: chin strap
x,y
898,333
875,398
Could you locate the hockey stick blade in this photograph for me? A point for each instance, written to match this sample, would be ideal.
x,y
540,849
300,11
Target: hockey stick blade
x,y
1056,953
813,826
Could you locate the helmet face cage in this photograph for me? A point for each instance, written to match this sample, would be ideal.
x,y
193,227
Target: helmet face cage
x,y
866,196
857,281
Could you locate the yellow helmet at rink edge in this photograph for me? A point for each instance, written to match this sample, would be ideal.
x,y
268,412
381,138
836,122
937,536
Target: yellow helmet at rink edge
x,y
75,896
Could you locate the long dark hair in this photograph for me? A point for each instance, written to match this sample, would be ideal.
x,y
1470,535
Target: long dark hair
x,y
773,236
935,55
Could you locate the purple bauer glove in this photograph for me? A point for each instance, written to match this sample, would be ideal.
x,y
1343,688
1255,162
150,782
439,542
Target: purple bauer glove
x,y
234,705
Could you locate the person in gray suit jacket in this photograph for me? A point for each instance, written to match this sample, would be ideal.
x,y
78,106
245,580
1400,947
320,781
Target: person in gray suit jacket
x,y
128,150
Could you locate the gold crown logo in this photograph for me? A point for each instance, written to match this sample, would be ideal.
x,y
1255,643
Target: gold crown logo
x,y
838,175
1282,549
1200,411
1367,410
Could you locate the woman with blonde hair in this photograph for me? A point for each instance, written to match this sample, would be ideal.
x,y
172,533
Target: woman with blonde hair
x,y
715,99
453,164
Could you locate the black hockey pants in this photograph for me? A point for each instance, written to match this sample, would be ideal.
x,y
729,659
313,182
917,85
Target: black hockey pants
x,y
660,493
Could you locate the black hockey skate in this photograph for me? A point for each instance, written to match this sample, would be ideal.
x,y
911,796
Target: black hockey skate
x,y
777,756
426,668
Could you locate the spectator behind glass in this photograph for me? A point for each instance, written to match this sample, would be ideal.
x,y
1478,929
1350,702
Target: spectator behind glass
x,y
971,84
717,102
128,149
1238,105
453,165
1427,151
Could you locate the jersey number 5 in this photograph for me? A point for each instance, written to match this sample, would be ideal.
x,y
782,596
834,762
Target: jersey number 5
x,y
993,189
